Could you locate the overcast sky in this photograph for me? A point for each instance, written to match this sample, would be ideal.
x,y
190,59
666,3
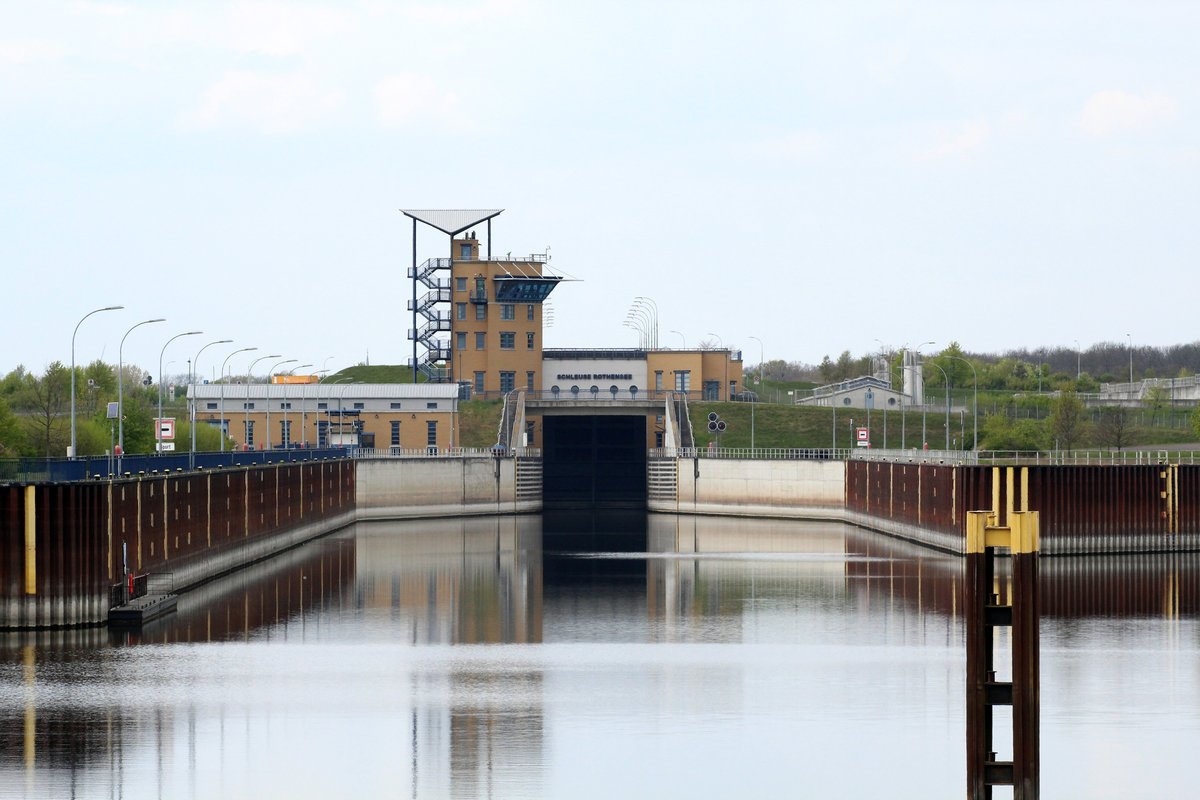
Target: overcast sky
x,y
820,176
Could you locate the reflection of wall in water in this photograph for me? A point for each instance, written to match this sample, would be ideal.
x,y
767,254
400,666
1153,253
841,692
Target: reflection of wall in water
x,y
458,581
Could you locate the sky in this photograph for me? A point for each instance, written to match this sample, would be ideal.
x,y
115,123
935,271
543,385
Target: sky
x,y
793,179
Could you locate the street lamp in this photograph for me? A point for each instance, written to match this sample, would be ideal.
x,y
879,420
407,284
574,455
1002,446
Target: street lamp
x,y
71,454
654,307
328,424
246,404
158,425
720,343
287,440
682,338
195,371
226,361
1130,338
974,402
121,383
271,372
754,399
947,379
917,350
304,404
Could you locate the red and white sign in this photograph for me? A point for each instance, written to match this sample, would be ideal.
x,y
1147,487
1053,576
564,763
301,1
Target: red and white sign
x,y
166,428
863,435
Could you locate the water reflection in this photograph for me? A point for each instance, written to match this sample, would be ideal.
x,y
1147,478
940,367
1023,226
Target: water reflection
x,y
584,655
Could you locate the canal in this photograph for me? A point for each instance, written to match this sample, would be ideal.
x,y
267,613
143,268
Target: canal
x,y
611,655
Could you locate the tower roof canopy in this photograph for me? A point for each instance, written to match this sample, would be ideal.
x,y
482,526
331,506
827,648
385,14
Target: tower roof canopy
x,y
451,221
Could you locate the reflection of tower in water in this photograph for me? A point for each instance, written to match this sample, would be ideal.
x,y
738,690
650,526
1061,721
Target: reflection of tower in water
x,y
476,722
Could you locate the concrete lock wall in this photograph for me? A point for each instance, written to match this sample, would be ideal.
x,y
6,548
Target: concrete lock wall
x,y
414,488
799,489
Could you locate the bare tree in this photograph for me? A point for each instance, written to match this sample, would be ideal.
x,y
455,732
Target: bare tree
x,y
1114,427
44,402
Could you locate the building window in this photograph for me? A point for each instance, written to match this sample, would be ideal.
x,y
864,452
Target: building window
x,y
595,390
891,401
460,340
508,311
633,390
575,390
480,312
431,405
460,284
395,433
658,438
846,401
712,390
285,432
358,405
249,426
211,406
479,383
322,433
732,390
322,406
431,433
248,406
480,340
658,380
481,288
285,405
464,252
508,340
529,340
683,380
529,312
529,379
507,381
529,429
396,406
554,390
460,310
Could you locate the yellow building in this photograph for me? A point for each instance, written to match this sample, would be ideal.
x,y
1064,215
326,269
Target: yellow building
x,y
261,416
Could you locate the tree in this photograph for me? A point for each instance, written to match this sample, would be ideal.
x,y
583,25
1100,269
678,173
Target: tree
x,y
1114,428
1066,420
1001,433
12,438
1156,400
45,402
827,370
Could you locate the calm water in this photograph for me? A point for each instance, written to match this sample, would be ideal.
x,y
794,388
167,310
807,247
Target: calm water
x,y
612,657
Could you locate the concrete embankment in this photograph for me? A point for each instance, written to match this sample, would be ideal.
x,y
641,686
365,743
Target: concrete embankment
x,y
415,488
797,489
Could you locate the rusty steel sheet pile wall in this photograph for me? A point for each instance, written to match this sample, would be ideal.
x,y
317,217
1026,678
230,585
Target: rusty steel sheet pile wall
x,y
1084,509
212,512
52,547
193,526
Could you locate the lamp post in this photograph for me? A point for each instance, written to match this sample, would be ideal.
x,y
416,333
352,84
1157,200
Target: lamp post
x,y
340,395
1078,361
654,330
226,361
158,432
924,442
71,454
947,379
121,383
304,404
682,338
246,405
192,410
974,401
720,342
271,372
287,440
754,399
1129,336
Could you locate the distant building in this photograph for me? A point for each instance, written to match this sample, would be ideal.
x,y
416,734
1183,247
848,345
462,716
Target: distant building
x,y
867,391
